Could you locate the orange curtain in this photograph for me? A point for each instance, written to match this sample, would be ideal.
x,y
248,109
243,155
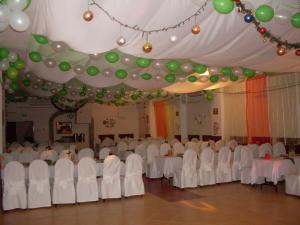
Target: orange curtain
x,y
160,117
257,110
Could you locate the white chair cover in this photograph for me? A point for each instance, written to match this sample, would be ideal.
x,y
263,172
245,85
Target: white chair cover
x,y
206,175
107,142
133,184
85,152
247,156
63,188
254,149
14,191
110,185
178,148
7,157
26,157
236,168
164,148
204,145
141,151
132,144
232,144
186,177
191,145
122,146
263,149
153,171
39,186
50,155
173,141
279,149
219,144
87,186
223,174
103,153
292,184
194,140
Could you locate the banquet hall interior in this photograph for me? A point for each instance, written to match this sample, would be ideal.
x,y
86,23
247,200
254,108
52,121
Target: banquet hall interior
x,y
150,112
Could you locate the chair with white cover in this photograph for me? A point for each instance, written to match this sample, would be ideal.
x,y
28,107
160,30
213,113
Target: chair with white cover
x,y
133,183
14,192
219,144
153,170
7,157
164,148
292,184
86,152
279,149
103,153
263,149
87,186
122,146
206,172
191,145
63,188
26,157
107,142
39,185
223,173
232,144
49,155
132,144
178,148
110,185
141,151
187,177
246,164
204,145
236,171
254,149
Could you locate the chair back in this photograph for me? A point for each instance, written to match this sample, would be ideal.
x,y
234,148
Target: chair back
x,y
247,156
103,153
279,149
111,167
133,165
164,148
86,152
178,148
64,170
152,152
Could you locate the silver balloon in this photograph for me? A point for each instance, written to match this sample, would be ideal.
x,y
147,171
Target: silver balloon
x,y
186,67
4,64
19,21
4,13
282,16
12,57
16,4
181,78
157,64
237,71
53,91
35,86
95,56
121,41
173,38
203,79
107,72
213,70
224,78
157,77
134,76
50,63
127,60
78,69
3,26
73,93
59,46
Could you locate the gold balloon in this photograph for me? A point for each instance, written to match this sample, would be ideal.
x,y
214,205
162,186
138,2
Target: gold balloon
x,y
281,50
147,47
196,29
88,15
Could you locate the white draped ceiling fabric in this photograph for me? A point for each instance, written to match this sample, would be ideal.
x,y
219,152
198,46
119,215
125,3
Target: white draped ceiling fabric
x,y
224,40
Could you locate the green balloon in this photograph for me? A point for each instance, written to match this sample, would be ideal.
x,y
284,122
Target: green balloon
x,y
214,78
121,74
12,74
226,71
19,64
4,52
192,78
27,82
82,93
92,71
249,73
209,96
143,62
112,57
100,95
170,78
35,56
14,86
41,39
134,97
146,76
200,68
63,92
296,20
233,77
173,65
264,13
223,6
64,66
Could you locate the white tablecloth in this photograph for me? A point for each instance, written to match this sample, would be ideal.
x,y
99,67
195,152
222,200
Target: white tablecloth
x,y
272,169
168,164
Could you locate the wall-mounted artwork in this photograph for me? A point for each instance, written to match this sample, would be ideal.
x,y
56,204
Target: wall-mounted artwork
x,y
64,127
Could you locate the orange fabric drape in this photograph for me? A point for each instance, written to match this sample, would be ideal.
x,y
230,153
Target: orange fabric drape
x,y
160,117
257,110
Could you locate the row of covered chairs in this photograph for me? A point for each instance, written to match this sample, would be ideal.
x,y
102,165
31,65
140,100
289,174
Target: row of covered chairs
x,y
88,187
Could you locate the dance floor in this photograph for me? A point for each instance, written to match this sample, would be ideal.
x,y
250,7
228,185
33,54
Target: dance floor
x,y
226,204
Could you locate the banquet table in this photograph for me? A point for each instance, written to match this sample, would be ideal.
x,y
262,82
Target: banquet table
x,y
168,164
273,169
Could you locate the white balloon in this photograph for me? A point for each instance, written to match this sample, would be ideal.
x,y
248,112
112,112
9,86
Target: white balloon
x,y
95,56
3,26
4,64
282,16
186,67
78,69
157,64
107,72
134,76
181,78
173,38
127,60
213,70
237,71
17,4
51,63
19,21
59,46
12,57
4,13
157,77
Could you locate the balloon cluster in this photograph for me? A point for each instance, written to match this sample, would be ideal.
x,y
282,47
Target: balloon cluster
x,y
11,13
10,65
264,13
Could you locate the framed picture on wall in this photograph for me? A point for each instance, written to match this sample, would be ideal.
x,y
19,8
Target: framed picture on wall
x,y
64,127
